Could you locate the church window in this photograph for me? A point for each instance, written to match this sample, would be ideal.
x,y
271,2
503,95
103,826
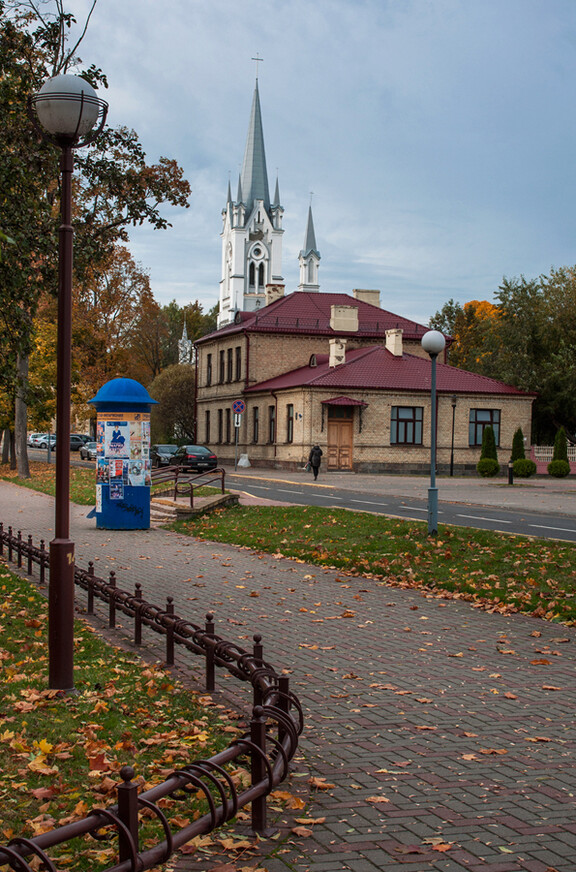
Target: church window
x,y
261,276
252,275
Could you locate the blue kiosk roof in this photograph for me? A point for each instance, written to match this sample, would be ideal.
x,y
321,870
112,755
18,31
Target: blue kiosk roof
x,y
123,393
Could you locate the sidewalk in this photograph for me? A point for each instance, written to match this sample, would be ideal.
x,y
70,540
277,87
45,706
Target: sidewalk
x,y
446,732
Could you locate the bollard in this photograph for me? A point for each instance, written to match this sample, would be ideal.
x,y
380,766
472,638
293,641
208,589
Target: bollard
x,y
209,630
170,632
138,615
112,600
128,814
510,472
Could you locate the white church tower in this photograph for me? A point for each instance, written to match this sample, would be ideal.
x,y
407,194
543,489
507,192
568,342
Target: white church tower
x,y
309,259
252,231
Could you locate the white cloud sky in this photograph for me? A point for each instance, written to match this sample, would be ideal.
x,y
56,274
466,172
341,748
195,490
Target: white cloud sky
x,y
438,136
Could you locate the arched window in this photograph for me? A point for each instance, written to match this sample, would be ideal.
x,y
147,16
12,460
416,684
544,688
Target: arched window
x,y
261,276
251,275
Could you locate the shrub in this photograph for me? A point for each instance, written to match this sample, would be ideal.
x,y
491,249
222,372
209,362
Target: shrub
x,y
487,466
524,468
488,444
518,447
560,446
559,468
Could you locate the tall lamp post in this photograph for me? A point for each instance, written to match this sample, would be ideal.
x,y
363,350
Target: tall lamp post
x,y
454,400
433,342
67,113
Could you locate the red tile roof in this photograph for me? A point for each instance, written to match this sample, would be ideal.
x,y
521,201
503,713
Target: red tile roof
x,y
376,368
308,312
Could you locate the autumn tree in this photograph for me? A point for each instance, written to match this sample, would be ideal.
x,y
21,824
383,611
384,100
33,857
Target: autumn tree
x,y
174,416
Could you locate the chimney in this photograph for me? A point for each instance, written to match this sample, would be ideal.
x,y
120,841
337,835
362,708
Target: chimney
x,y
372,297
344,318
337,352
273,293
394,341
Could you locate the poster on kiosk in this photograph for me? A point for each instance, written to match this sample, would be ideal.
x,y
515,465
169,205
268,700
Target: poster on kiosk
x,y
123,455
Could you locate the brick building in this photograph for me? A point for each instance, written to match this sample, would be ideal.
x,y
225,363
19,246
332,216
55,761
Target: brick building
x,y
335,369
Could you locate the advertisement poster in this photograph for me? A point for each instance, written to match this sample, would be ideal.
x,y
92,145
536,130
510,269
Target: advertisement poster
x,y
123,449
98,497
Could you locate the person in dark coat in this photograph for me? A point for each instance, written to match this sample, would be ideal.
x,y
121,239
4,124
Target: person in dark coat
x,y
314,460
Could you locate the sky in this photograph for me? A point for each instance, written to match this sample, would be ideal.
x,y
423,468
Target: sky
x,y
436,139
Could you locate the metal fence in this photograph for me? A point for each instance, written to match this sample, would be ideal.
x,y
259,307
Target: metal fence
x,y
276,722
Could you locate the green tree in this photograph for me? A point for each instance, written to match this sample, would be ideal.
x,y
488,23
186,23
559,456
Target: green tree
x,y
518,452
174,416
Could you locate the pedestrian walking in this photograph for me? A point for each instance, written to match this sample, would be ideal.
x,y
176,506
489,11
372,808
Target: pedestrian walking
x,y
314,460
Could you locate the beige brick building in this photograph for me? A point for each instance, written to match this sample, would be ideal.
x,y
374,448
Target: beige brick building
x,y
337,370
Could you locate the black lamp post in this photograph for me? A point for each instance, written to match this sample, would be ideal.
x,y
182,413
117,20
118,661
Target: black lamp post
x,y
454,400
70,115
433,342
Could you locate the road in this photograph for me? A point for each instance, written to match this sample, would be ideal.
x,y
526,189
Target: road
x,y
464,514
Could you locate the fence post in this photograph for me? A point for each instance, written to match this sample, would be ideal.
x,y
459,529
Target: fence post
x,y
169,632
19,548
209,630
257,651
30,547
112,600
90,592
137,614
283,702
10,544
257,768
128,813
43,562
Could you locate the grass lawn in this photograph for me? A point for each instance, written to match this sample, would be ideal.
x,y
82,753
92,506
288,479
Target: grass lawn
x,y
506,573
60,755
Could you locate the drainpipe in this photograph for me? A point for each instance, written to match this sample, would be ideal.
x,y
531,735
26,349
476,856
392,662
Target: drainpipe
x,y
196,398
275,422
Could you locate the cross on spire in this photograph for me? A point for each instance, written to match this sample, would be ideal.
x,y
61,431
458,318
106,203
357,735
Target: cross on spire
x,y
258,60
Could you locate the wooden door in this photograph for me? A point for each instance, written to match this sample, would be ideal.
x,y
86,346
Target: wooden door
x,y
339,444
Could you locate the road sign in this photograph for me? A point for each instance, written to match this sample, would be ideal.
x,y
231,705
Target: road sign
x,y
237,420
238,406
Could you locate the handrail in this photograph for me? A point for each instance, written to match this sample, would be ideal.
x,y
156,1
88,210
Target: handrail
x,y
185,483
276,722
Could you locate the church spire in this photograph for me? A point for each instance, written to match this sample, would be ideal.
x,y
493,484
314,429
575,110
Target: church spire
x,y
309,258
254,174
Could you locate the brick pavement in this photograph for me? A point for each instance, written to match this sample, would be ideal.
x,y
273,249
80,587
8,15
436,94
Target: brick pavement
x,y
429,716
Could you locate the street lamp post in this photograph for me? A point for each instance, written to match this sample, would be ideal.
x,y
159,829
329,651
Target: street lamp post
x,y
433,342
454,400
67,113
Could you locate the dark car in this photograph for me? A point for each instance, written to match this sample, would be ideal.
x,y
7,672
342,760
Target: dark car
x,y
196,457
76,442
161,455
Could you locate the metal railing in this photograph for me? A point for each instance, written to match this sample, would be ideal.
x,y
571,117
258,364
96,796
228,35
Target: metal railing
x,y
276,722
185,483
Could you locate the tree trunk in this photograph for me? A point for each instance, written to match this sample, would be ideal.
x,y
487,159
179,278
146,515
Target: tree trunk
x,y
12,451
21,416
6,446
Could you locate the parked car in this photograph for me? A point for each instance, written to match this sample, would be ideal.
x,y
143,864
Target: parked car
x,y
76,442
88,451
161,455
196,457
33,438
42,441
85,437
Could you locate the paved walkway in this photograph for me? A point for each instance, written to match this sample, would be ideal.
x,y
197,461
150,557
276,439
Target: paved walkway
x,y
447,732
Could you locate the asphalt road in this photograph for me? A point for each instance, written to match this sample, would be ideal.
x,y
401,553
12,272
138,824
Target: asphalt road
x,y
518,521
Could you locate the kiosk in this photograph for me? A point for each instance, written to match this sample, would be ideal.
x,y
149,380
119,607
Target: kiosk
x,y
123,455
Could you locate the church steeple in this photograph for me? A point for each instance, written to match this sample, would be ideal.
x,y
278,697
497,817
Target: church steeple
x,y
309,258
252,230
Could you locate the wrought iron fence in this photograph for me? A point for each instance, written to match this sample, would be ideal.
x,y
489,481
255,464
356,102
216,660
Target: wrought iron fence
x,y
268,746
